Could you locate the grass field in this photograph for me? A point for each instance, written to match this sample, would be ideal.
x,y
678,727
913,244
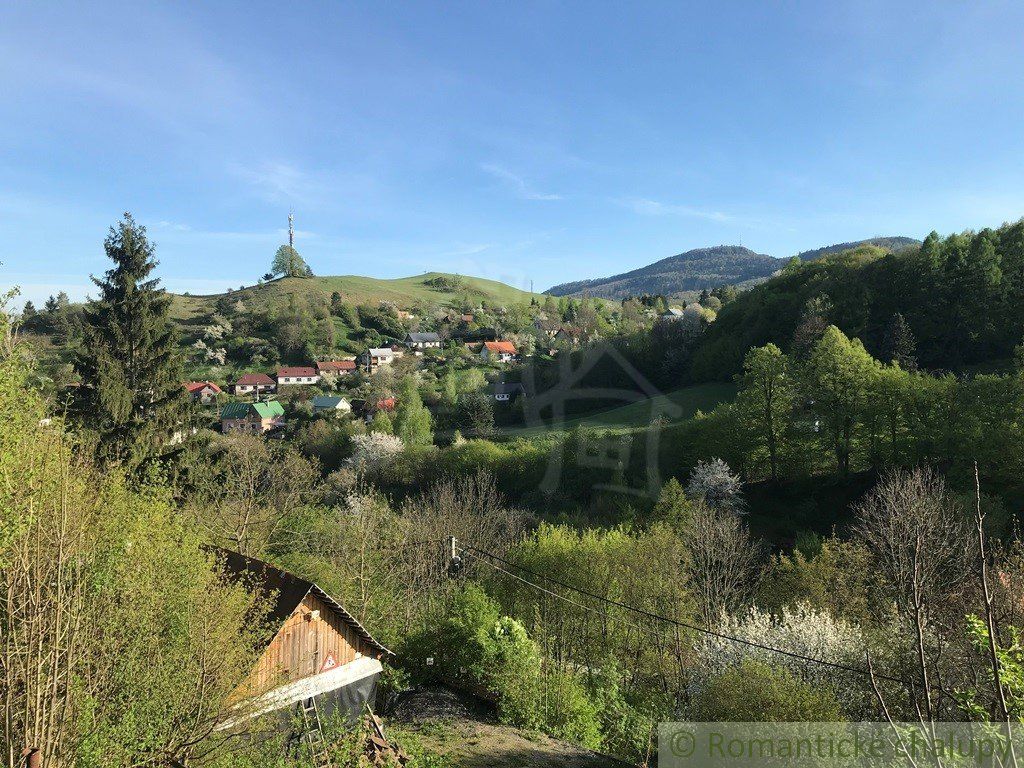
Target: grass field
x,y
404,292
689,400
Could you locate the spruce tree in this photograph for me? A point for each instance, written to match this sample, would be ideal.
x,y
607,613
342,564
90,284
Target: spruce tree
x,y
131,394
898,345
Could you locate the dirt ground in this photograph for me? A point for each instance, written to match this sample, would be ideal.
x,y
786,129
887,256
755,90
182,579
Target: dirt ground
x,y
467,733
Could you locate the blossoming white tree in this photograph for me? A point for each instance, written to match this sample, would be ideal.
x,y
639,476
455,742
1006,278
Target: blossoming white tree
x,y
717,486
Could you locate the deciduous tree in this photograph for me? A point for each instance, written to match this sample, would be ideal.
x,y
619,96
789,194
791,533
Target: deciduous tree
x,y
412,419
288,263
766,399
836,378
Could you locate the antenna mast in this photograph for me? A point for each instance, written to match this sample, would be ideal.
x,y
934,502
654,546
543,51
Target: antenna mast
x,y
291,229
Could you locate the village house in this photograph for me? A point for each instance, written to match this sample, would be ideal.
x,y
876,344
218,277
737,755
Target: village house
x,y
331,404
421,341
254,384
315,654
296,376
508,393
498,351
367,408
204,392
253,418
375,357
672,313
336,367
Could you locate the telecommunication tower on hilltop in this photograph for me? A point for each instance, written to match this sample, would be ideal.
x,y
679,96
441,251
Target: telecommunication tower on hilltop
x,y
291,229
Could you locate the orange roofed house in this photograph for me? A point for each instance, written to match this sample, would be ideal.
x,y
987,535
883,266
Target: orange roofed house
x,y
336,367
314,648
498,351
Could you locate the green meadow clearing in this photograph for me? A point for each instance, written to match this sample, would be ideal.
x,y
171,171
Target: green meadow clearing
x,y
689,400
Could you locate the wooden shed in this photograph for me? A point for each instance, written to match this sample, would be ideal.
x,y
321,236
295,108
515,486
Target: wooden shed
x,y
315,649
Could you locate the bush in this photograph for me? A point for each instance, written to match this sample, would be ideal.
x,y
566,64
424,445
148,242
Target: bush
x,y
478,647
626,726
801,630
756,692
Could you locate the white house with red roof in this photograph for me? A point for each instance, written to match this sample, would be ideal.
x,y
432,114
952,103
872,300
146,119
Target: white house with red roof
x,y
204,392
254,384
297,376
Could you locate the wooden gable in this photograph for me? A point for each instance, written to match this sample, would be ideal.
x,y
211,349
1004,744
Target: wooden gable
x,y
305,646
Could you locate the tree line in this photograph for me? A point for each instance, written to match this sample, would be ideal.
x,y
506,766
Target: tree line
x,y
958,295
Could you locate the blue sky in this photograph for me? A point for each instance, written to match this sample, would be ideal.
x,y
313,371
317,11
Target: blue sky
x,y
519,141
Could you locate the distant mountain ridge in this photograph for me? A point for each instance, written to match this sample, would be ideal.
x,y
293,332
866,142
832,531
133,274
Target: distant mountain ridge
x,y
705,268
689,271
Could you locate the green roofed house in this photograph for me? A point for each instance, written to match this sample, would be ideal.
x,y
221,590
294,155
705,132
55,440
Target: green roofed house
x,y
331,404
253,418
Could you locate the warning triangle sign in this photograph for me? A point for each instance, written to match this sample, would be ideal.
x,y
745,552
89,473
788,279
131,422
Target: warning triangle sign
x,y
329,663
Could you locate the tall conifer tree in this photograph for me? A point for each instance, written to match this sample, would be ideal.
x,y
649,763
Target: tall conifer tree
x,y
131,394
899,345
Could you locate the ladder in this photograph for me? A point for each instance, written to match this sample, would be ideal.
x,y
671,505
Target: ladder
x,y
314,735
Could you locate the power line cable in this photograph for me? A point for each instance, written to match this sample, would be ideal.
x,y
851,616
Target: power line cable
x,y
641,629
666,619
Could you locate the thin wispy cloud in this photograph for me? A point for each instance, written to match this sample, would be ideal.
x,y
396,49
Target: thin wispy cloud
x,y
181,232
654,208
516,183
278,182
173,225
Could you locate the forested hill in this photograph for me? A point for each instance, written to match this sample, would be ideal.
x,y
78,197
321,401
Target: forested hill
x,y
693,270
961,297
886,243
708,268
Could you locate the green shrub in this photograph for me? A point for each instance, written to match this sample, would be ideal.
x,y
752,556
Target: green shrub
x,y
756,692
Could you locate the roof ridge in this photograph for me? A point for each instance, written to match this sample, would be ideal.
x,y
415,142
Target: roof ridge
x,y
256,565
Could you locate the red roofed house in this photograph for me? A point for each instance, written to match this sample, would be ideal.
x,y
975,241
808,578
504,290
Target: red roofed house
x,y
254,384
313,649
298,375
337,367
204,391
498,351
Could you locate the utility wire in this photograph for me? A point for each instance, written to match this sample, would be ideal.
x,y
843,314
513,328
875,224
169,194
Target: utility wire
x,y
639,628
666,619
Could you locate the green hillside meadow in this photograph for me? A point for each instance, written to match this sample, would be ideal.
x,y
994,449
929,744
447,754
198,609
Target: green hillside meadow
x,y
702,397
354,289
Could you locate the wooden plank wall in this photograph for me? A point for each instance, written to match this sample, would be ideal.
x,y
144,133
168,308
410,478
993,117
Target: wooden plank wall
x,y
301,646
